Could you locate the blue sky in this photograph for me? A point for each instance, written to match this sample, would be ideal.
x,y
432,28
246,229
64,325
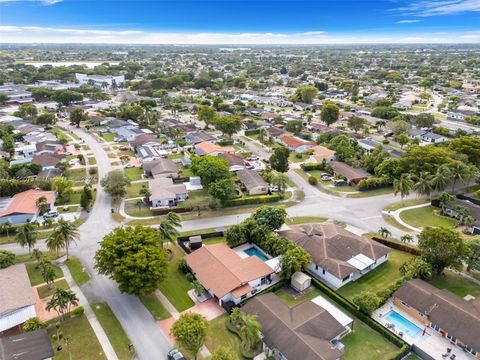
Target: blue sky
x,y
240,22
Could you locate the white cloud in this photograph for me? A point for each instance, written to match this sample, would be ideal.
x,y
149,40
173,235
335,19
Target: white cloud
x,y
407,21
44,2
440,7
38,34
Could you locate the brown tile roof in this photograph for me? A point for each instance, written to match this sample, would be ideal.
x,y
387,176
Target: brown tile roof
x,y
25,202
250,179
47,159
143,139
275,131
321,152
293,141
15,289
301,332
222,270
457,316
160,166
349,172
207,148
331,246
233,159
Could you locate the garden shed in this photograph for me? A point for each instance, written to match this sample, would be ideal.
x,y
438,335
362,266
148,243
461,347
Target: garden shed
x,y
300,281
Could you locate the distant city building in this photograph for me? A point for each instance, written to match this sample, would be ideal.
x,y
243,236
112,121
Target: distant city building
x,y
101,81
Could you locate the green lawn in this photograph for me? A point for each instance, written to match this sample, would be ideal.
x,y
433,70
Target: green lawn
x,y
456,284
375,192
291,301
379,278
304,219
44,291
426,216
365,344
406,203
134,173
134,189
175,156
218,335
108,137
412,357
176,285
113,329
92,160
216,240
133,210
156,308
76,269
186,172
35,274
76,174
83,345
293,157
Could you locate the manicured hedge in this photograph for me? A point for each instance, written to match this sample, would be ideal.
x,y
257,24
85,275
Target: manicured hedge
x,y
398,246
261,199
309,167
225,142
373,183
404,348
252,132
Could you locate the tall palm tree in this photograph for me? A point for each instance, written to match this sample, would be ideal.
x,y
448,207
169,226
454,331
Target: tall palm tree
x,y
444,199
423,185
384,232
26,236
5,228
62,301
403,186
251,331
63,235
442,178
460,172
168,227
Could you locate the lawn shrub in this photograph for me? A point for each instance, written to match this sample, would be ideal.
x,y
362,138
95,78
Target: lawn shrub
x,y
373,183
252,132
260,199
310,167
312,180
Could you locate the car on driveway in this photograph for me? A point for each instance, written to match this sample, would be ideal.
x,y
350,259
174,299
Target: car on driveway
x,y
326,178
175,354
129,166
273,188
123,148
50,214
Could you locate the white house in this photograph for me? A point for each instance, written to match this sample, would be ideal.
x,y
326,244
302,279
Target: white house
x,y
165,193
338,256
17,301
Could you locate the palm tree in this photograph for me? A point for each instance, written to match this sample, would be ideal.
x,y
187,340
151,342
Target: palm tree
x,y
139,203
63,235
48,273
384,232
444,199
461,212
37,255
251,331
406,238
168,227
403,185
460,172
62,301
442,178
26,236
41,202
5,228
423,186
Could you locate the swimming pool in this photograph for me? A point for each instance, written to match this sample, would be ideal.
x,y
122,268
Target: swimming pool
x,y
402,324
255,252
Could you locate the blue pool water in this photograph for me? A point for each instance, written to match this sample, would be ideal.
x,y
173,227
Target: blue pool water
x,y
403,324
255,252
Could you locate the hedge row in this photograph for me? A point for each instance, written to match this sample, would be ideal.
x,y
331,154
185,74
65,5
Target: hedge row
x,y
373,183
404,348
225,142
398,246
309,166
252,132
261,199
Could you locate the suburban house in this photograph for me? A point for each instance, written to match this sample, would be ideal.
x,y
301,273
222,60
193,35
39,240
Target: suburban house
x,y
150,152
22,207
293,143
161,168
50,147
338,255
319,128
198,137
48,160
226,275
236,162
322,154
306,331
165,193
275,132
101,81
353,175
17,93
430,137
472,209
17,301
253,182
208,148
448,314
143,139
33,345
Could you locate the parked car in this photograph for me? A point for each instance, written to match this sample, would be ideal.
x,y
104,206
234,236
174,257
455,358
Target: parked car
x,y
340,182
72,162
175,354
250,166
326,178
388,134
50,214
129,166
273,188
252,158
123,148
68,153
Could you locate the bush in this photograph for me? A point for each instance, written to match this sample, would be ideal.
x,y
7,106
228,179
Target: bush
x,y
260,199
312,180
33,324
225,142
183,267
367,302
309,167
252,132
92,171
373,183
7,258
77,311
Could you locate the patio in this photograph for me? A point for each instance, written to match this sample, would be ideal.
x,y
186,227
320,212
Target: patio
x,y
429,341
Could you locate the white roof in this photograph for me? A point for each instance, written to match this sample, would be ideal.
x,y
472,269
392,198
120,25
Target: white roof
x,y
340,316
361,261
274,263
300,277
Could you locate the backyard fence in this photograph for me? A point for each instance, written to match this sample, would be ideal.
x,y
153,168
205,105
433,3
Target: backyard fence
x,y
182,240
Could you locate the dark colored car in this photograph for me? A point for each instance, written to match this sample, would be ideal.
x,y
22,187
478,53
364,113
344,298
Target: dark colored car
x,y
175,354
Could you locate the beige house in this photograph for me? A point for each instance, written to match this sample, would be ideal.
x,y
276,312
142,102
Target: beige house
x,y
321,154
253,182
161,168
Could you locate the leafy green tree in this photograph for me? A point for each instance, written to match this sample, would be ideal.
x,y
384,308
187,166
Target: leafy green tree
x,y
374,158
63,187
33,324
131,256
27,112
402,139
425,158
47,118
441,248
399,126
7,259
444,199
62,301
279,159
251,332
145,192
423,184
473,259
26,236
223,189
280,180
270,216
8,142
469,146
66,97
86,197
228,124
114,184
385,112
210,169
190,331
356,123
403,186
330,113
235,235
307,93
294,126
206,114
424,120
64,234
77,116
441,178
48,273
367,301
293,260
416,267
